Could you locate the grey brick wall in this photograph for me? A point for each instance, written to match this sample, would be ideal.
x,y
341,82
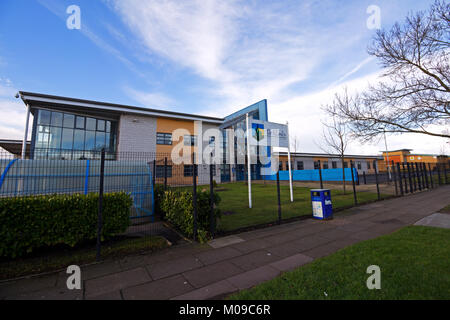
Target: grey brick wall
x,y
137,134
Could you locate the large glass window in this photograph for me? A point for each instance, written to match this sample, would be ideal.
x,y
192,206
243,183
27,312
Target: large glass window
x,y
61,135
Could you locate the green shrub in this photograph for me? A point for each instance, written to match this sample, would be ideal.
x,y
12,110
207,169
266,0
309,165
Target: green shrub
x,y
31,222
178,209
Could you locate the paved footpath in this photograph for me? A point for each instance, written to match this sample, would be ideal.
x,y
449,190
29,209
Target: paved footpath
x,y
195,271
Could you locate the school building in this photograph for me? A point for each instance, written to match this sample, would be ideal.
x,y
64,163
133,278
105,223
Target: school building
x,y
77,129
310,161
405,155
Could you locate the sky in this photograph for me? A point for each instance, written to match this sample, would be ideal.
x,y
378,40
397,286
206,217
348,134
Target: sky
x,y
207,57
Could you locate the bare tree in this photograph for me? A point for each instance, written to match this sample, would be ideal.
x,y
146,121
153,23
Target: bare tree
x,y
414,91
336,135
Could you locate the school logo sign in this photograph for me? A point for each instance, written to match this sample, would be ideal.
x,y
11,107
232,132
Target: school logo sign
x,y
258,131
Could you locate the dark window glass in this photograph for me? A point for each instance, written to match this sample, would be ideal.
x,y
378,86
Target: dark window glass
x,y
334,164
67,139
78,140
57,118
345,164
325,165
91,124
108,126
368,164
44,117
55,138
69,120
359,165
163,138
188,170
316,164
100,125
80,122
300,165
280,166
160,172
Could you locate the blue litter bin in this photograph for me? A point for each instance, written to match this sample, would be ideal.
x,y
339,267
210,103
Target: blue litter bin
x,y
321,204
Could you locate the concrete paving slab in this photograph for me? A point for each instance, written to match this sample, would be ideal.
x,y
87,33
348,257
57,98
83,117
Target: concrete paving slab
x,y
211,273
171,267
27,285
114,295
100,269
291,262
225,241
310,242
158,290
106,284
217,289
251,245
284,250
216,255
440,220
253,277
254,259
321,251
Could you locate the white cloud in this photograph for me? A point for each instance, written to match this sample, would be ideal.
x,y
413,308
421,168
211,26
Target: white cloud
x,y
248,51
150,99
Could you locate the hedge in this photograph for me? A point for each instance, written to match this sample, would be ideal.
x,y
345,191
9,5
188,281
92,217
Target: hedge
x,y
31,222
178,209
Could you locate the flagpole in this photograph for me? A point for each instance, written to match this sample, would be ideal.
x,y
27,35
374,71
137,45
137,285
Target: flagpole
x,y
249,165
289,162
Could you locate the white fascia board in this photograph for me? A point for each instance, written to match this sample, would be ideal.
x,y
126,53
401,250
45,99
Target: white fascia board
x,y
119,109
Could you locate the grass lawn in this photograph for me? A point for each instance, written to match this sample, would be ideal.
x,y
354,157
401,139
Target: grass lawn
x,y
414,263
53,260
236,213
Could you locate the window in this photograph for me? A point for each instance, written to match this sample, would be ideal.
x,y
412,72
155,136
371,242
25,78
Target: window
x,y
325,165
358,165
188,170
280,166
316,165
368,165
345,164
334,164
60,134
190,140
213,170
164,138
300,165
160,172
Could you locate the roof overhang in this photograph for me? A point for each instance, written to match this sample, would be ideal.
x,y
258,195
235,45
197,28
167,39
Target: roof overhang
x,y
114,109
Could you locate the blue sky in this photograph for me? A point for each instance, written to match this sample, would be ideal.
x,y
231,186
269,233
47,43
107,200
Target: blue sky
x,y
208,57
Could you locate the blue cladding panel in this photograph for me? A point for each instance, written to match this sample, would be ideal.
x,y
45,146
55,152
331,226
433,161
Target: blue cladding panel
x,y
261,106
313,175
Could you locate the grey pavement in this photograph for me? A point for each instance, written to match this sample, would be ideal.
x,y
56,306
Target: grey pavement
x,y
230,264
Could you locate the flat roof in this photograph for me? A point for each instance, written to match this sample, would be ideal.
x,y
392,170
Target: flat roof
x,y
49,100
14,146
329,155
